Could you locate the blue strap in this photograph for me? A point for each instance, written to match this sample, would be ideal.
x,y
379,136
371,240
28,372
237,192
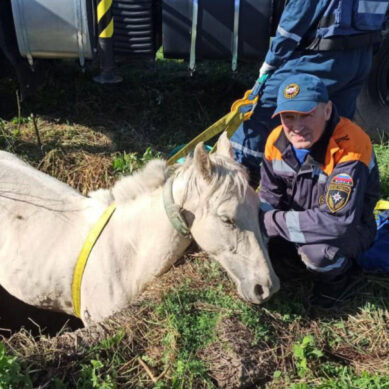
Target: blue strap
x,y
257,88
382,219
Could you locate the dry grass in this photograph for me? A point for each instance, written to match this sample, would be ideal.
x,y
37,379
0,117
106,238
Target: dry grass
x,y
233,360
77,155
81,170
139,346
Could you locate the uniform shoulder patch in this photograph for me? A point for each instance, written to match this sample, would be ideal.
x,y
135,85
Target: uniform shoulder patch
x,y
338,193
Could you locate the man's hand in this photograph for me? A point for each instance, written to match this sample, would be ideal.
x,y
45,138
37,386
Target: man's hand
x,y
265,70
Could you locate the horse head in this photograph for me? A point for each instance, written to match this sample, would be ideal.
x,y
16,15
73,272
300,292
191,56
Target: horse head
x,y
221,211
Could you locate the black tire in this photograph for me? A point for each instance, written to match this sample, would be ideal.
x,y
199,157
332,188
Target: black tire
x,y
372,112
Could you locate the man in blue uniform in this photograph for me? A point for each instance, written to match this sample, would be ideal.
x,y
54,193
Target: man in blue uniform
x,y
332,39
319,186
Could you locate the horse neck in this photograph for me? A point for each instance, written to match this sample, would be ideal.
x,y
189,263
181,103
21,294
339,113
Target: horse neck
x,y
144,241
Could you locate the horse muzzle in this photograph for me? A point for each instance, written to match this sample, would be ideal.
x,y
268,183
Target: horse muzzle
x,y
256,293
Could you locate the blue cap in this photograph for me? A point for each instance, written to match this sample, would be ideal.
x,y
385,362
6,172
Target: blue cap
x,y
300,93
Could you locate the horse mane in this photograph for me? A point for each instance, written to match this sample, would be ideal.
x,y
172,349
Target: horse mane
x,y
152,176
226,174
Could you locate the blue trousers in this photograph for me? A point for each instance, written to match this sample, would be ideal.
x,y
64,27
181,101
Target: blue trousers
x,y
318,258
342,72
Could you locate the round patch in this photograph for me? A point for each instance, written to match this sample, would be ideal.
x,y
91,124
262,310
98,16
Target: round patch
x,y
291,91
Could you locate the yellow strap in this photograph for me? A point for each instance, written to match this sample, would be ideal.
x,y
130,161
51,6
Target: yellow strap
x,y
382,204
229,123
90,241
238,104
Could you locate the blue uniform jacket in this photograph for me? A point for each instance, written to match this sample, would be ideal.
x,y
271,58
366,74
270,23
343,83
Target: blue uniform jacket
x,y
330,198
304,20
299,19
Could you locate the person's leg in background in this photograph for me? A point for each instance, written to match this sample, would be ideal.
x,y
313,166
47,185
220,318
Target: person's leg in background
x,y
344,95
250,138
343,73
249,141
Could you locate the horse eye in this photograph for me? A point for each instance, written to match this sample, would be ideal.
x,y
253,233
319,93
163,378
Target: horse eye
x,y
227,220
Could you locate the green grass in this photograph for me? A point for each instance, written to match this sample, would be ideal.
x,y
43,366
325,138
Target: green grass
x,y
12,375
191,317
382,153
127,163
342,378
157,108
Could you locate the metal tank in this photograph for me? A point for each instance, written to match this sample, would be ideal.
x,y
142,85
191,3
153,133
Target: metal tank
x,y
54,28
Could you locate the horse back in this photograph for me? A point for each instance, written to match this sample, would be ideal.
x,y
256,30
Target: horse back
x,y
42,224
19,178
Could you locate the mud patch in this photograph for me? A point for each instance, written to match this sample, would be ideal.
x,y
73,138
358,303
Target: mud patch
x,y
233,360
15,315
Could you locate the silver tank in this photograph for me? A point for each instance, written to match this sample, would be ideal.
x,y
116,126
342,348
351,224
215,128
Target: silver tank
x,y
54,28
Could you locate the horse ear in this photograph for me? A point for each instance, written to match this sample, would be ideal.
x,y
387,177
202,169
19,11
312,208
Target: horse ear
x,y
202,161
224,147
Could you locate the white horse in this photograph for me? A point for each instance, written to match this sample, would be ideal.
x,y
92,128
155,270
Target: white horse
x,y
44,222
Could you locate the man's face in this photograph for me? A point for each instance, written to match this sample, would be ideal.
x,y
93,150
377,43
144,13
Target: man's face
x,y
304,130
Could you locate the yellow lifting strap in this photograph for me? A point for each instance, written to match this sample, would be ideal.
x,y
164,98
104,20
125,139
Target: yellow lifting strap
x,y
229,123
240,110
245,102
79,268
382,205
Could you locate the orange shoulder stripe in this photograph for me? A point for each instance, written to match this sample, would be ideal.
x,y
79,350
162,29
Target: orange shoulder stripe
x,y
271,152
348,143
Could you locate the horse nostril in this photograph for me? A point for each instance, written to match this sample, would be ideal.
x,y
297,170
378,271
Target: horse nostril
x,y
258,290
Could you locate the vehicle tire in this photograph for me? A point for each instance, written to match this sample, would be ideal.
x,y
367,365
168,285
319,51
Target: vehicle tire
x,y
372,112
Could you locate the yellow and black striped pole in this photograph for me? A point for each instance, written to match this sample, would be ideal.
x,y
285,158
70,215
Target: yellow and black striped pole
x,y
108,72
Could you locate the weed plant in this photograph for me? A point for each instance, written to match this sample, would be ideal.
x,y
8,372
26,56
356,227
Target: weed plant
x,y
12,375
382,153
127,163
193,332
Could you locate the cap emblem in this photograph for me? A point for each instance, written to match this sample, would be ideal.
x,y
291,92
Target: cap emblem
x,y
291,91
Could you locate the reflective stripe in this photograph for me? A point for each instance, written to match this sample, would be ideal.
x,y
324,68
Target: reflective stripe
x,y
372,162
336,265
322,178
281,166
373,7
265,206
293,226
238,146
287,34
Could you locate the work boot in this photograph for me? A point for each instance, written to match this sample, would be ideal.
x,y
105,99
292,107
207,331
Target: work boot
x,y
289,268
285,260
329,291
